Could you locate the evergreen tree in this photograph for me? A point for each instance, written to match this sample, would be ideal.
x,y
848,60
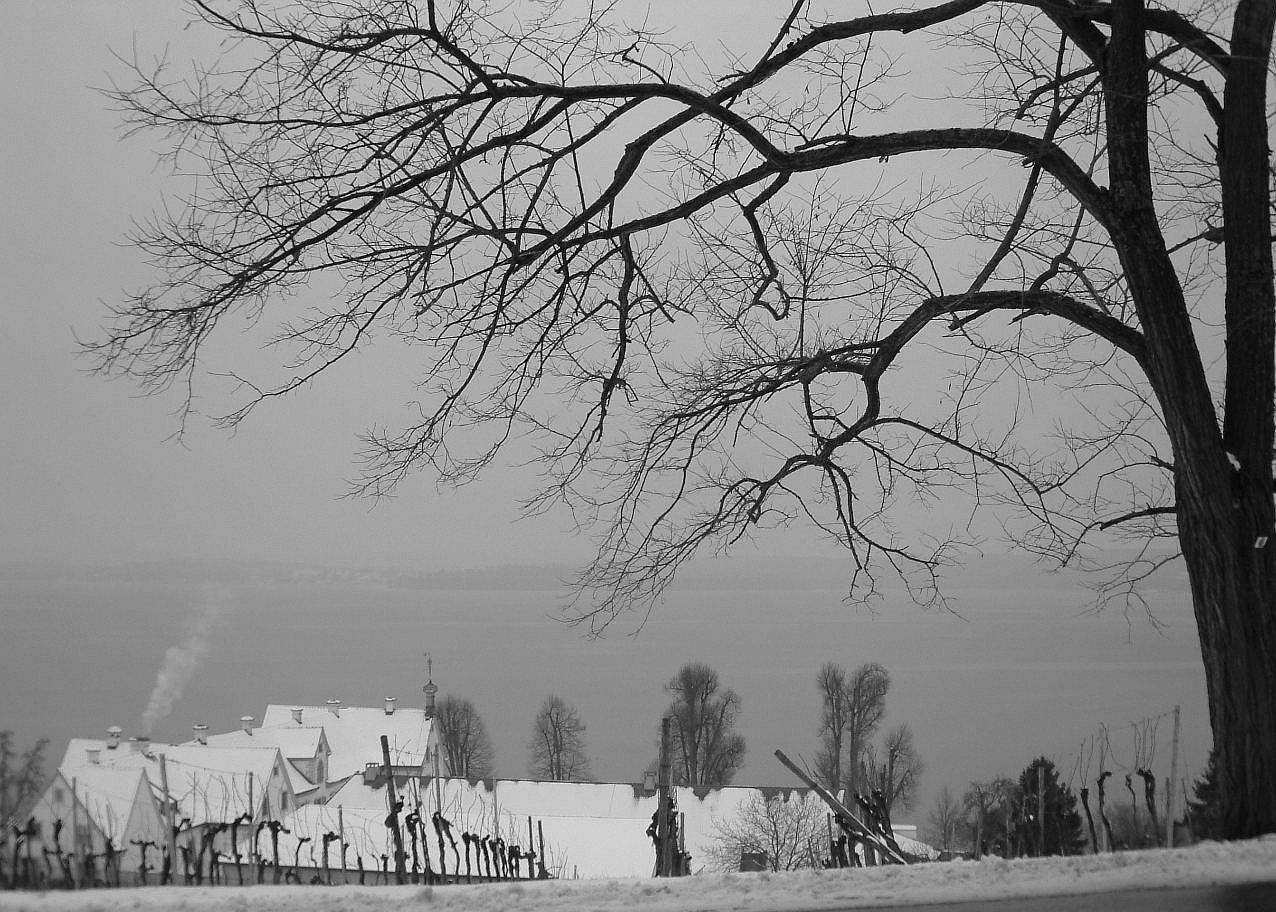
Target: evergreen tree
x,y
1203,812
1062,830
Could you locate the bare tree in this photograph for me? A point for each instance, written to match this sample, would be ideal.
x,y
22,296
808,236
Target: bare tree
x,y
986,804
467,750
787,829
705,747
895,768
540,203
853,705
557,747
946,820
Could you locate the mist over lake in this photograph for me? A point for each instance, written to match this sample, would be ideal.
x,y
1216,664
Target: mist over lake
x,y
1024,671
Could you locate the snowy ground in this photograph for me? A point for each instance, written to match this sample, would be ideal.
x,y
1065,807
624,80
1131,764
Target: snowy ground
x,y
1203,865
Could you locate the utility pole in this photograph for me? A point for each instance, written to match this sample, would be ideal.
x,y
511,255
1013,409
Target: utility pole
x,y
438,786
664,848
1103,759
1174,776
1005,804
170,828
1041,810
400,869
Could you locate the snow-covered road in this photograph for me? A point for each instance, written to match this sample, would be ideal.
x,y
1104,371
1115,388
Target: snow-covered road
x,y
1208,864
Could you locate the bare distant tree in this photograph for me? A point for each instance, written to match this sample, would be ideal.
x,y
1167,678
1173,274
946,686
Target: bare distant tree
x,y
895,768
946,820
696,280
853,705
986,804
786,829
557,747
21,776
706,749
463,739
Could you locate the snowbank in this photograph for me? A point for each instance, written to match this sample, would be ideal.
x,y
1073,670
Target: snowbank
x,y
1203,865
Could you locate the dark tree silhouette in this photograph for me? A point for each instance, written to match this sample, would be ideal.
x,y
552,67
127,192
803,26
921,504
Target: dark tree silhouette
x,y
987,804
21,776
557,747
553,208
1063,834
467,750
852,705
895,769
1203,811
706,750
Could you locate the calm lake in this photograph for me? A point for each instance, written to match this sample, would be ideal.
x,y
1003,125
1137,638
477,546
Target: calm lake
x,y
1024,671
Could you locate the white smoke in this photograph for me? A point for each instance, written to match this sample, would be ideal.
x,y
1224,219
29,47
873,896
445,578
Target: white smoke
x,y
179,666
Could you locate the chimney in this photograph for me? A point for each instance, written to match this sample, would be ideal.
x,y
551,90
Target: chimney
x,y
389,705
296,714
94,755
140,745
201,732
246,722
113,737
334,707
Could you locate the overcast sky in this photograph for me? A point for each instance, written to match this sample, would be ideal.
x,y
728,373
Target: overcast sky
x,y
90,472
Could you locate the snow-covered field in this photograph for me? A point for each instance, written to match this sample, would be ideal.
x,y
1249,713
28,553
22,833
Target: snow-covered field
x,y
1203,865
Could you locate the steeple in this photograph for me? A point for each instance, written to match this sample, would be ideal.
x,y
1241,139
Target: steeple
x,y
430,688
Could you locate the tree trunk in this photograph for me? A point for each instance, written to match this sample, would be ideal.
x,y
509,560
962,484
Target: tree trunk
x,y
1223,481
1232,586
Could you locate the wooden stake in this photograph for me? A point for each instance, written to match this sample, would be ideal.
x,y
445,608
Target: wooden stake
x,y
341,844
400,870
75,827
664,853
252,822
543,872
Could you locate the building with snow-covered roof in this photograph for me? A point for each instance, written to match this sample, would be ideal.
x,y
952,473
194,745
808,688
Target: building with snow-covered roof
x,y
305,751
211,785
106,751
103,812
353,733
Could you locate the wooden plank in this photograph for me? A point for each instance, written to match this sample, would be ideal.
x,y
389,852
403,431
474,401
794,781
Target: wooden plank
x,y
846,818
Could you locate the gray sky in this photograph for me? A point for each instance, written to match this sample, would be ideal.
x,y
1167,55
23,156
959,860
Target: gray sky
x,y
90,473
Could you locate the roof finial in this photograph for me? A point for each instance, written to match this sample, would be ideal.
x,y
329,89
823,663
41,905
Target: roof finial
x,y
430,688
